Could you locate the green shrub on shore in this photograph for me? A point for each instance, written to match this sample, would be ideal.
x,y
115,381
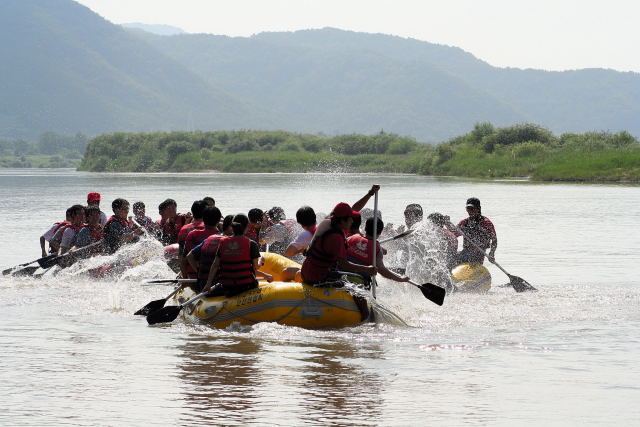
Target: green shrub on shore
x,y
523,150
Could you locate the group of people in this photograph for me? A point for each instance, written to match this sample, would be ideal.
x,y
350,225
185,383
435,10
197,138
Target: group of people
x,y
223,254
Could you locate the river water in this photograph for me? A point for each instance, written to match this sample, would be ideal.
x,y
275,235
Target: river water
x,y
72,353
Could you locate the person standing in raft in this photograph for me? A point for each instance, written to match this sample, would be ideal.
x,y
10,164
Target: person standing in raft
x,y
210,217
71,231
118,230
328,250
234,268
480,230
93,199
170,221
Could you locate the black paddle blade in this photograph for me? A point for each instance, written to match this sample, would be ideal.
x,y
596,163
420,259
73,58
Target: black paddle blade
x,y
151,307
433,293
48,261
520,285
24,271
164,315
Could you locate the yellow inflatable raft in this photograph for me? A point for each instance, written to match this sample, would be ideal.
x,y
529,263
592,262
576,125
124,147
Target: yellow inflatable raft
x,y
287,303
471,277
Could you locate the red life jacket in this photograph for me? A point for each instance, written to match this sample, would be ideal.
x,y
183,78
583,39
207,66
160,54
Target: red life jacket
x,y
360,249
318,262
253,233
64,224
208,255
114,218
170,230
236,265
96,232
193,239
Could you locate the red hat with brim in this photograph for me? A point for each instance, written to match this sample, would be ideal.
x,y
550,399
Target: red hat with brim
x,y
92,197
343,209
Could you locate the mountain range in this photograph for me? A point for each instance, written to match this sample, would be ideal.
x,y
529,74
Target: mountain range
x,y
68,70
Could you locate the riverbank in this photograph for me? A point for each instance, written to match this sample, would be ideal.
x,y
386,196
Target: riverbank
x,y
525,150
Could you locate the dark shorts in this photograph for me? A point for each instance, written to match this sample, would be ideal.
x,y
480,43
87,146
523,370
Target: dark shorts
x,y
465,256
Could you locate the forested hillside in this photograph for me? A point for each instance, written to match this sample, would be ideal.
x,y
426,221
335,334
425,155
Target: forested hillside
x,y
66,69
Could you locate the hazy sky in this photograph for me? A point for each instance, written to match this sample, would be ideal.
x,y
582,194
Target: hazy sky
x,y
545,34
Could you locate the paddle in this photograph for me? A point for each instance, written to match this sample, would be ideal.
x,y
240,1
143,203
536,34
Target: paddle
x,y
518,283
375,235
39,260
169,314
399,236
164,281
431,292
157,304
65,260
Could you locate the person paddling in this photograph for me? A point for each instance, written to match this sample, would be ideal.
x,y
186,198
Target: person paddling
x,y
71,231
236,262
328,250
119,230
170,221
360,251
49,235
480,230
210,217
91,232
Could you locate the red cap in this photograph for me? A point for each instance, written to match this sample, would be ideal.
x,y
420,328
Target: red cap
x,y
92,197
343,209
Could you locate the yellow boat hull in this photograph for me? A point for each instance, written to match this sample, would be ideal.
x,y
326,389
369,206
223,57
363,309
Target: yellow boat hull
x,y
471,277
285,303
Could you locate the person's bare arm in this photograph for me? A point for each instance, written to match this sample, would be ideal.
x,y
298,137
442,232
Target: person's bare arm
x,y
191,259
212,274
357,206
43,244
345,265
388,274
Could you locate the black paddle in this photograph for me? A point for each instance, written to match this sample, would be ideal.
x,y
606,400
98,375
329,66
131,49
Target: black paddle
x,y
157,304
39,260
165,281
431,292
169,314
399,236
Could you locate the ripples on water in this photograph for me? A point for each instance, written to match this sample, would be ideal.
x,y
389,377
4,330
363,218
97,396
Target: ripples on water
x,y
73,354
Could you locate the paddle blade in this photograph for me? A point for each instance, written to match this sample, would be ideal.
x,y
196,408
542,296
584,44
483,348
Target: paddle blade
x,y
433,293
48,261
151,307
164,315
520,285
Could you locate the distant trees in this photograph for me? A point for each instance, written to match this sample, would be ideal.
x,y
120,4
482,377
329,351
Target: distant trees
x,y
183,151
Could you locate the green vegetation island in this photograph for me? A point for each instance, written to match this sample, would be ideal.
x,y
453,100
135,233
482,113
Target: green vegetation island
x,y
523,150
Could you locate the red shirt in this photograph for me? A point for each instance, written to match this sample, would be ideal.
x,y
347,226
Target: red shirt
x,y
326,250
480,230
360,250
